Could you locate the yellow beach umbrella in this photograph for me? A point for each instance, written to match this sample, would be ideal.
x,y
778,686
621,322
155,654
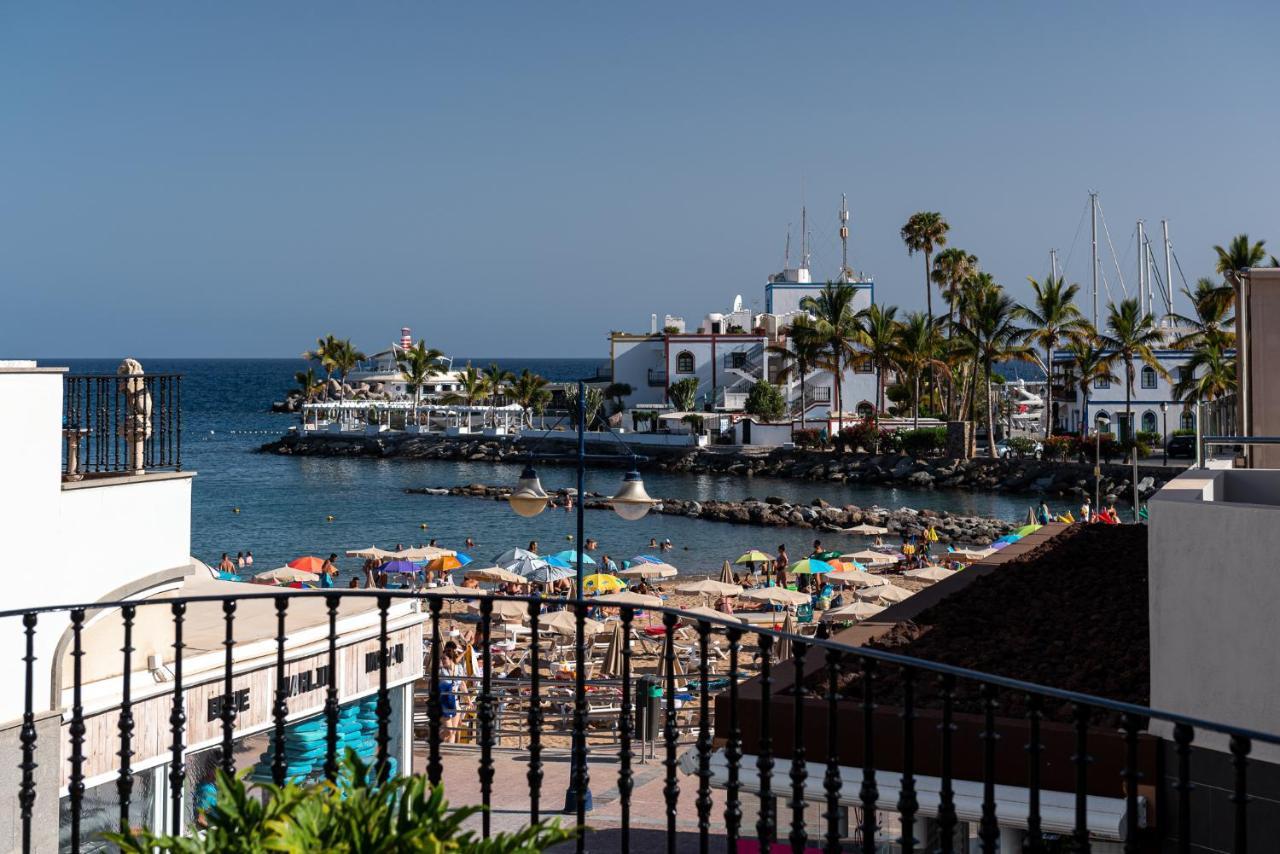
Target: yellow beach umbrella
x,y
602,583
754,556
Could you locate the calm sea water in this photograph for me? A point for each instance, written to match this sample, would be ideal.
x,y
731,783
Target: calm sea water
x,y
284,502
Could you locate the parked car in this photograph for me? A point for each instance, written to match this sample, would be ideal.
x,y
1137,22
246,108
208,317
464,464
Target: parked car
x,y
1003,450
1181,446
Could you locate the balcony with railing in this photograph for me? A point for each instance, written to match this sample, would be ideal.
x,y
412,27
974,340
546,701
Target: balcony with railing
x,y
121,424
691,729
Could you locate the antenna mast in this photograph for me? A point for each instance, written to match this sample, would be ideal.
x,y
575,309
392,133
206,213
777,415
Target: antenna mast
x,y
1093,227
786,254
845,272
804,237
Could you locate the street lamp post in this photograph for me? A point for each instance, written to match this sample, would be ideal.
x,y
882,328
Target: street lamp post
x,y
1164,430
631,503
1103,421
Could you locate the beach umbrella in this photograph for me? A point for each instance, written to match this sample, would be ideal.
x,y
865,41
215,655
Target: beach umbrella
x,y
677,666
649,570
885,594
866,530
855,611
782,646
444,563
845,565
566,623
513,555
423,553
811,566
570,558
930,574
1031,516
647,559
777,596
524,566
371,552
858,578
629,597
612,663
505,610
554,560
307,563
455,590
285,575
754,556
1027,529
710,587
687,614
827,555
546,574
872,557
496,574
403,566
726,573
969,554
602,583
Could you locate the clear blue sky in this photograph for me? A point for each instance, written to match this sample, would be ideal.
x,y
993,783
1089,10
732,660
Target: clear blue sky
x,y
235,178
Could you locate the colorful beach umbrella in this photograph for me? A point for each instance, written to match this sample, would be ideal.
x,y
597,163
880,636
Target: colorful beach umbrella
x,y
811,566
307,563
602,583
754,556
647,559
827,555
1027,529
445,563
570,557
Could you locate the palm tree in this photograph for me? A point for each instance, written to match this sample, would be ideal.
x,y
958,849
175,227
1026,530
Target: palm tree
x,y
1213,319
836,324
1088,364
994,336
973,291
801,353
1209,374
880,335
496,380
417,365
950,269
345,359
474,387
307,382
322,355
915,351
1052,316
1132,334
529,391
1239,254
923,232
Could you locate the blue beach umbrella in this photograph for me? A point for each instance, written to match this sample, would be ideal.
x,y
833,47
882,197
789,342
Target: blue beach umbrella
x,y
556,560
463,558
647,559
570,557
399,566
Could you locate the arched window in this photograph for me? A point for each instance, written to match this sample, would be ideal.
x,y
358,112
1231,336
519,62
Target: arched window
x,y
865,409
1100,414
1186,421
1149,421
1148,381
684,362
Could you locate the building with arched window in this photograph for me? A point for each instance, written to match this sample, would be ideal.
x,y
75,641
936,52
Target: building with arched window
x,y
684,362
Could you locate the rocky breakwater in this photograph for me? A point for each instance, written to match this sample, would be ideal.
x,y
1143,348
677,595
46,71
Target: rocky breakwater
x,y
776,513
1029,476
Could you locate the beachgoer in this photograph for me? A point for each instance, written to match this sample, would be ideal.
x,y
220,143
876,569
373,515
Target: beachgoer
x,y
780,566
1086,511
471,544
355,583
608,564
817,548
666,545
653,542
592,545
568,504
724,606
225,565
1043,516
248,558
533,546
239,560
432,543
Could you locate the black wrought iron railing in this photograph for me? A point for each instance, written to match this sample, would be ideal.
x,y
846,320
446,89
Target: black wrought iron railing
x,y
657,377
121,423
864,748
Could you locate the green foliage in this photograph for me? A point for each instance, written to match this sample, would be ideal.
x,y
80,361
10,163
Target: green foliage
x,y
1022,446
1058,448
593,403
683,394
865,434
765,401
1150,437
359,814
1183,431
923,441
809,439
616,392
671,330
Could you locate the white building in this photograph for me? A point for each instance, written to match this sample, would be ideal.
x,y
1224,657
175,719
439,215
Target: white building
x,y
95,508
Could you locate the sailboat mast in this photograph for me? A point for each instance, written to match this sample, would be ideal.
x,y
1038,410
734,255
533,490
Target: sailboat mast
x,y
1093,229
845,274
1168,273
1053,263
1142,266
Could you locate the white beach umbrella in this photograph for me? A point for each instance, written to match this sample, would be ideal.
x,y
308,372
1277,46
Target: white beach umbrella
x,y
505,610
512,555
855,611
627,597
285,575
524,565
455,590
777,596
968,554
371,552
857,578
565,623
710,587
886,594
649,570
866,530
496,574
690,615
423,553
930,574
872,557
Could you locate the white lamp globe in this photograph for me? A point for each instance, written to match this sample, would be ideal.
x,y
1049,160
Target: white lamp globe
x,y
528,498
632,502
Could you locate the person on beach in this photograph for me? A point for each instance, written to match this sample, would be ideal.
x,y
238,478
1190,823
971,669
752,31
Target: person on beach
x,y
533,546
355,583
608,564
470,543
780,566
239,560
653,542
225,565
1043,516
1086,511
592,545
248,559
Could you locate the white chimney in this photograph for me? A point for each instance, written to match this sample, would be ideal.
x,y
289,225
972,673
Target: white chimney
x,y
653,324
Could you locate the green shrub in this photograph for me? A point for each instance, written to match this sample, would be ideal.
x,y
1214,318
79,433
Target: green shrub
x,y
868,435
809,439
923,441
1060,447
358,814
1149,437
764,400
1183,431
1022,446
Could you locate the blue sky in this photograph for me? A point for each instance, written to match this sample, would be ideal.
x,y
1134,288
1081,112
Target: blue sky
x,y
234,179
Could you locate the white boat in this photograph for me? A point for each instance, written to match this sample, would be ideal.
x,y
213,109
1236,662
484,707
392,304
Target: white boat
x,y
383,367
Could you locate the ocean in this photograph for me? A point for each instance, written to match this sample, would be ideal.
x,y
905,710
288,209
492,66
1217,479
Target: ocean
x,y
285,503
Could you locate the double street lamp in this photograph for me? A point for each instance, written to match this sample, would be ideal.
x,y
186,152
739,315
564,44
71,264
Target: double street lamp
x,y
631,502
